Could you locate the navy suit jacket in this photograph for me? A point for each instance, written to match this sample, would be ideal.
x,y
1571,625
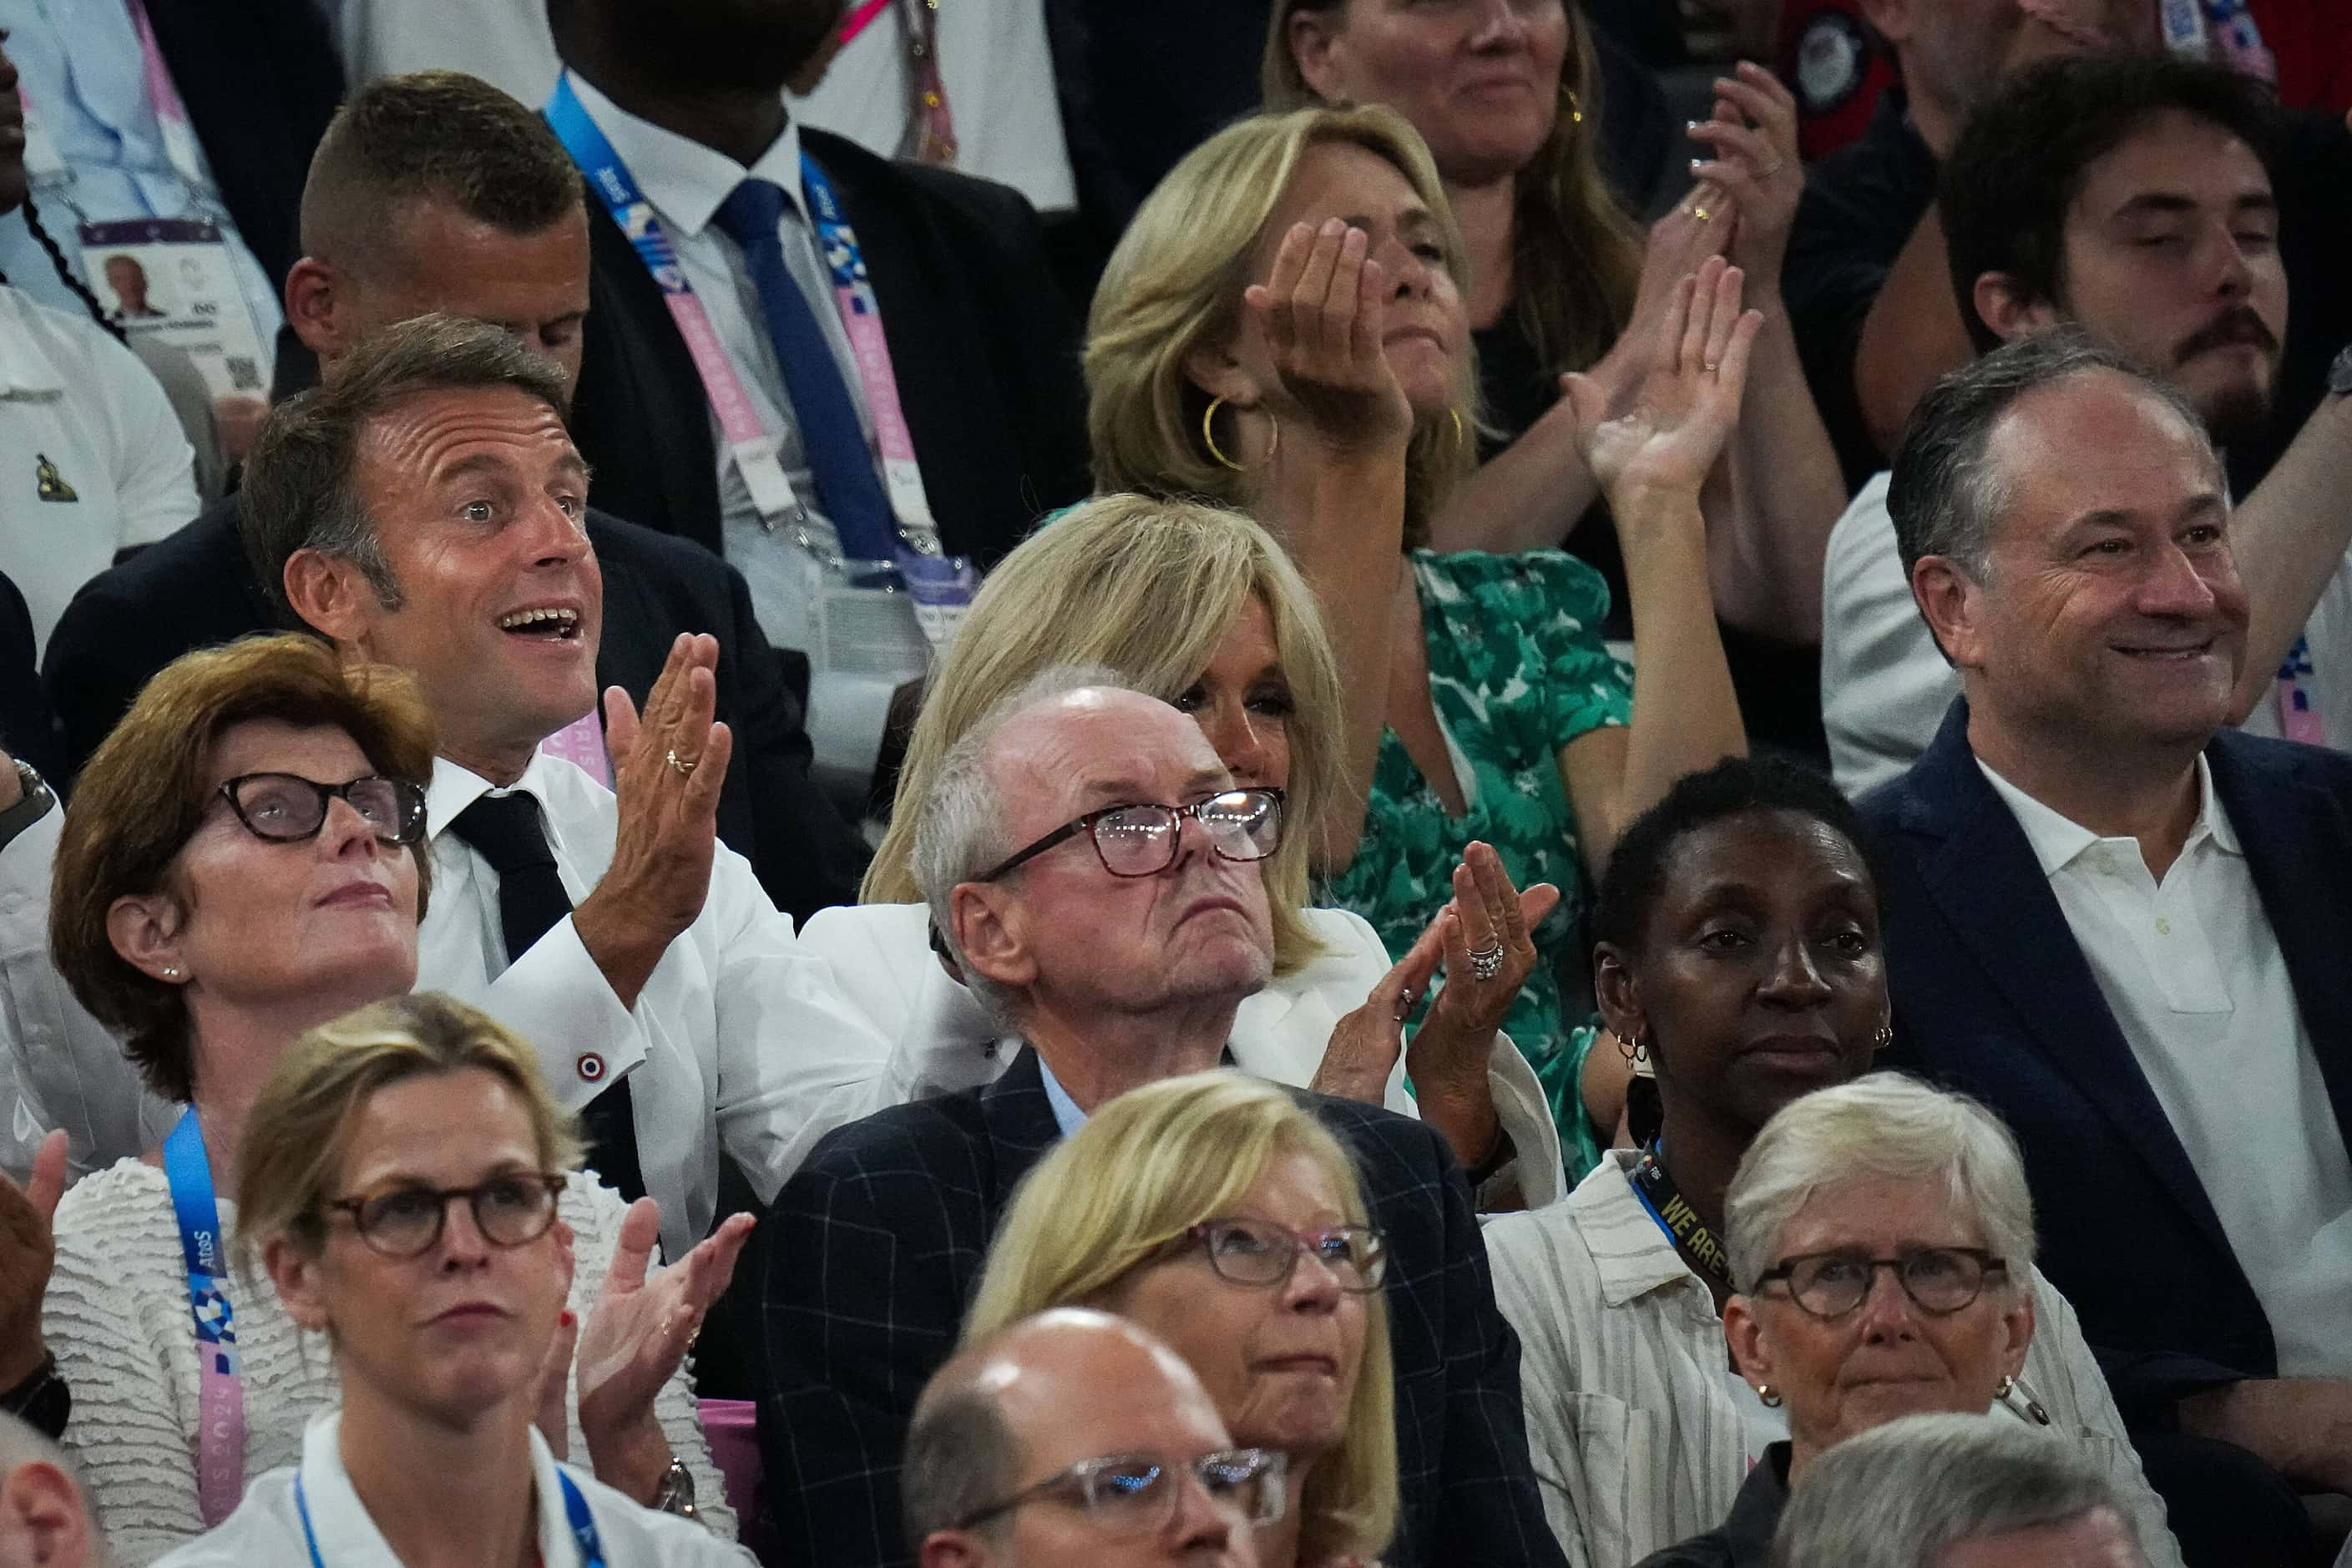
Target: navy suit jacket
x,y
873,1249
1993,996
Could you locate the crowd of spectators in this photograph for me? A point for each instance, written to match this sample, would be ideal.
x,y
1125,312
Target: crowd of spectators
x,y
1285,783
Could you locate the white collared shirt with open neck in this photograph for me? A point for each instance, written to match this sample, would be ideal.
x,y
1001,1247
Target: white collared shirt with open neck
x,y
269,1531
2193,974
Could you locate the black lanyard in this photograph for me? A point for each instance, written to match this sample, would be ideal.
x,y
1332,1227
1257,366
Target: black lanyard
x,y
1678,1218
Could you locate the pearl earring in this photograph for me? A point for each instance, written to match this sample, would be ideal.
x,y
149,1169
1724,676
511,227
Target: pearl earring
x,y
171,972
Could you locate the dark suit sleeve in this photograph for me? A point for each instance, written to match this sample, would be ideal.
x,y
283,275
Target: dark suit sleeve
x,y
858,1306
807,857
1489,1510
99,659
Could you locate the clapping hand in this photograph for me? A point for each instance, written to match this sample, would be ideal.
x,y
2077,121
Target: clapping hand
x,y
1365,1043
28,1252
637,1334
1753,138
1662,432
667,767
1321,312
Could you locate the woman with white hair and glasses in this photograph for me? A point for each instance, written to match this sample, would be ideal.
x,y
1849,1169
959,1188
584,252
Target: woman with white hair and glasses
x,y
1953,1491
1880,1237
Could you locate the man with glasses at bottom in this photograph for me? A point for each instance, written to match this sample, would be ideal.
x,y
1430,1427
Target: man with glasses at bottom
x,y
1075,1439
1092,875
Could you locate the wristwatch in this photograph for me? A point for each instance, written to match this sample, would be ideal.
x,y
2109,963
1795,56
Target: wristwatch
x,y
676,1493
36,802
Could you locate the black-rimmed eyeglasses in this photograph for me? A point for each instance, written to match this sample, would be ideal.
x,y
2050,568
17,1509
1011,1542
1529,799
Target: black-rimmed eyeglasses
x,y
1939,1280
1140,840
513,1210
1135,1492
286,808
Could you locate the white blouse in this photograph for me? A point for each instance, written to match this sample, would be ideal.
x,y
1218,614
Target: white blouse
x,y
268,1529
1637,1440
116,1318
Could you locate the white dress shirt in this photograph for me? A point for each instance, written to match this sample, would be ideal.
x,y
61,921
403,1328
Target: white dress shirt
x,y
740,1039
1637,1431
92,457
267,1530
880,958
2193,974
997,66
687,183
100,152
1885,688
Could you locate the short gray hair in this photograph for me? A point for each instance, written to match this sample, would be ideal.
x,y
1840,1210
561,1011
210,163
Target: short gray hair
x,y
1883,1127
300,491
961,1457
1900,1495
1946,494
959,829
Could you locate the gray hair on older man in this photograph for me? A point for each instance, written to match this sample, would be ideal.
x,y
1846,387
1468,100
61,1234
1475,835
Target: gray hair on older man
x,y
960,827
1883,1127
1910,1493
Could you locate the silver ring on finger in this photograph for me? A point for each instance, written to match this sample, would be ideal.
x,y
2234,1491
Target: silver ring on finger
x,y
683,764
1486,962
1405,999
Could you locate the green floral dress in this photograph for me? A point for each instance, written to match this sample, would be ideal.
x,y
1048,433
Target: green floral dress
x,y
1516,670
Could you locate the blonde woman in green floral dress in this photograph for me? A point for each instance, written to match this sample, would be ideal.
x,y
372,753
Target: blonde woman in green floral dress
x,y
1282,329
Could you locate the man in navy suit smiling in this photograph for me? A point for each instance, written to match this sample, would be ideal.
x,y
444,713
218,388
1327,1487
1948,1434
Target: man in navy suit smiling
x,y
2123,925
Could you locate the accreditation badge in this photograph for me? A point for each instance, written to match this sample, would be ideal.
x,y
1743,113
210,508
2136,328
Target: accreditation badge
x,y
171,279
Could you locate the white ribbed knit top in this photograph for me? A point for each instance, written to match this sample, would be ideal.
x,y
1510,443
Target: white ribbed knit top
x,y
116,1318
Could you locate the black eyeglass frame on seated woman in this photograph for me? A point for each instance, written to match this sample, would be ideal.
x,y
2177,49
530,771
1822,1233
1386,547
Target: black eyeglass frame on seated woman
x,y
1807,1275
1121,1490
1359,1262
1242,824
377,799
395,1223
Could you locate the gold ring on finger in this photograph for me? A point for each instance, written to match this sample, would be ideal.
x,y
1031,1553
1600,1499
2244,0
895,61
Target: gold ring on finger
x,y
683,764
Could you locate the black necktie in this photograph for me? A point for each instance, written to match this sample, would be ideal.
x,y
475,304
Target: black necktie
x,y
504,830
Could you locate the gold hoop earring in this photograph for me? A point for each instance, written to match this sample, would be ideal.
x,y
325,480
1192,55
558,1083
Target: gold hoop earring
x,y
1575,105
1769,1398
1209,436
1459,434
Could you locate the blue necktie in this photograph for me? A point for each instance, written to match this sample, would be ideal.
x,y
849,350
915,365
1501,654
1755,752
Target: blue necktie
x,y
848,490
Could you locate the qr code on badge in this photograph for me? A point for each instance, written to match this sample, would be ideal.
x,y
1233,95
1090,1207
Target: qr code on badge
x,y
243,374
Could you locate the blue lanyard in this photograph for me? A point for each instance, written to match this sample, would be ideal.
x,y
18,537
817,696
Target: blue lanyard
x,y
575,1513
220,1425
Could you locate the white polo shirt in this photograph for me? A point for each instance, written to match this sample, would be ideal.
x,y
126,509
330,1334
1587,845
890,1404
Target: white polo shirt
x,y
271,1527
2193,974
91,457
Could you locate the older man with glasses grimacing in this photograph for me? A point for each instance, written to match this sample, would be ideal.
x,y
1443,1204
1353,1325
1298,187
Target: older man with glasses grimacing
x,y
1093,875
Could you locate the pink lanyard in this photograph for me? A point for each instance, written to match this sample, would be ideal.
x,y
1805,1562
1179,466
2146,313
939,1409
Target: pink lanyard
x,y
930,125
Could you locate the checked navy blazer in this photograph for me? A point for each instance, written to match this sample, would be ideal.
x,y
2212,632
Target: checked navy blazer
x,y
874,1248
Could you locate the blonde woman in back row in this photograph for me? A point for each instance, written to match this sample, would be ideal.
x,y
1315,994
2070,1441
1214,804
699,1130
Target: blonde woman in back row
x,y
1200,606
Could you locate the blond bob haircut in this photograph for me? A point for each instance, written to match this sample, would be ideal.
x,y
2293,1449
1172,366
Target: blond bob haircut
x,y
1146,589
319,1087
1576,253
1175,282
147,786
1122,1191
1883,1127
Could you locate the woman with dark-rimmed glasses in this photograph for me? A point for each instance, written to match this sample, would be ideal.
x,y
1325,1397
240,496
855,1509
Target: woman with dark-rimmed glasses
x,y
1219,1213
243,859
405,1204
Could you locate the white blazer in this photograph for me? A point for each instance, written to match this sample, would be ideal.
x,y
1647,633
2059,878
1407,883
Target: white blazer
x,y
266,1531
944,1041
